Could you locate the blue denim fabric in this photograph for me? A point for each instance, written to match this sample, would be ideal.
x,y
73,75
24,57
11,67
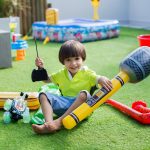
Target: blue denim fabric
x,y
59,103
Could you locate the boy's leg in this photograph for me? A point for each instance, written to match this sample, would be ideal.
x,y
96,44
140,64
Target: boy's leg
x,y
55,125
46,108
48,115
80,99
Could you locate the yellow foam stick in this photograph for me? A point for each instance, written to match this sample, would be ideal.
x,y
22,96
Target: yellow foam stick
x,y
134,68
95,4
99,98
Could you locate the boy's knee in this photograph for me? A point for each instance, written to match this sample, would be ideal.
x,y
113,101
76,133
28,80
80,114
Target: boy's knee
x,y
42,97
83,96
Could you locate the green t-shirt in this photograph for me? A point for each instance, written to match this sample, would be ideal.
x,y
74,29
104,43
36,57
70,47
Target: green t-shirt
x,y
84,79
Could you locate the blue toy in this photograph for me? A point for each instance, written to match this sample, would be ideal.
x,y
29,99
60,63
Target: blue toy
x,y
19,44
16,109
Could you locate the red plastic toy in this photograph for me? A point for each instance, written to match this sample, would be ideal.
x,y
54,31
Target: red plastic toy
x,y
143,118
140,106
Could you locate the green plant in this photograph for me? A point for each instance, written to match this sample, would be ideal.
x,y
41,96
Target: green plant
x,y
1,8
10,7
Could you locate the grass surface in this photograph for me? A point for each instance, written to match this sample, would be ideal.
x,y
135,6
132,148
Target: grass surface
x,y
107,128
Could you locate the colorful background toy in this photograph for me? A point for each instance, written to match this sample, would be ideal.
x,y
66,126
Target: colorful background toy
x,y
16,109
16,43
19,46
95,5
52,15
32,100
143,118
134,68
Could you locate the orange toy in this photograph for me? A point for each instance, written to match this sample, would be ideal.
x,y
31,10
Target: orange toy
x,y
20,54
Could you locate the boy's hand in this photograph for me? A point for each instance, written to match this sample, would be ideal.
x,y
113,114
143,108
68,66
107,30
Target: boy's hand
x,y
39,62
105,82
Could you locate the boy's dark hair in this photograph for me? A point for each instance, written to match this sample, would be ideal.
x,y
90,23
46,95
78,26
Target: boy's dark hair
x,y
71,48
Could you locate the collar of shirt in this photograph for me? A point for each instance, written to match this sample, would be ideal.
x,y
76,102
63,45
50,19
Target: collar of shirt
x,y
82,68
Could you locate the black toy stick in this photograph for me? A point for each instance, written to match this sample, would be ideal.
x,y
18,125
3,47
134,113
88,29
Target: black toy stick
x,y
36,47
40,74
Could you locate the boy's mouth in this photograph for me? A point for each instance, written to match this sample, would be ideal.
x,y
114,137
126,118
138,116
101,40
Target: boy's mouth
x,y
75,68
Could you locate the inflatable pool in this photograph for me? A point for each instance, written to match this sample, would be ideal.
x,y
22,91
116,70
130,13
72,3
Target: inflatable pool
x,y
83,30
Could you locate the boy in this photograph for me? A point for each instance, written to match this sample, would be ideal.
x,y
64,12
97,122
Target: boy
x,y
75,82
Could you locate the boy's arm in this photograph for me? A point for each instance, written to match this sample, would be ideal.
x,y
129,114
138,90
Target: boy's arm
x,y
40,64
47,81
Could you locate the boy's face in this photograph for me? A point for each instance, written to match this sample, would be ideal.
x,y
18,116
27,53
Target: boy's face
x,y
73,64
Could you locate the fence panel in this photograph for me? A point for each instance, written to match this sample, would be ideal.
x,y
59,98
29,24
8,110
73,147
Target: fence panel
x,y
30,11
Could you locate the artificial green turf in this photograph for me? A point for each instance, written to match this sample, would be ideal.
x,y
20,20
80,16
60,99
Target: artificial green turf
x,y
107,128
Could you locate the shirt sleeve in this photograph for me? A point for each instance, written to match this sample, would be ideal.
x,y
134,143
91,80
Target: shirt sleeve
x,y
54,77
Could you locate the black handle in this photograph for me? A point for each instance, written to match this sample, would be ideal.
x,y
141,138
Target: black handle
x,y
36,47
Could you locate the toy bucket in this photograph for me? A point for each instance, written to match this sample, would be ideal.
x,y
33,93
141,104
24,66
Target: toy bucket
x,y
20,54
144,40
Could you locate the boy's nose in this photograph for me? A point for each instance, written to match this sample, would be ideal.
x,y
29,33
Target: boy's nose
x,y
73,62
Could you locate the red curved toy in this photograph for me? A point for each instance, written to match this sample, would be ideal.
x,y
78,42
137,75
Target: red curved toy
x,y
140,106
143,118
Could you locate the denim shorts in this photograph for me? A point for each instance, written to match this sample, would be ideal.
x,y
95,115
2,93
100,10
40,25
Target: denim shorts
x,y
60,104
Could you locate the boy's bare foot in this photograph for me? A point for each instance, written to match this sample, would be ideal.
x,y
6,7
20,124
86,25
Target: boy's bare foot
x,y
48,127
42,129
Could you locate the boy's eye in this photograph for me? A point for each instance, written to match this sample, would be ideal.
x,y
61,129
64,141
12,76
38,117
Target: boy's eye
x,y
77,58
67,59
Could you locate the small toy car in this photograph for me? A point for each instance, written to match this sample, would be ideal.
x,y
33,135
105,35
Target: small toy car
x,y
16,109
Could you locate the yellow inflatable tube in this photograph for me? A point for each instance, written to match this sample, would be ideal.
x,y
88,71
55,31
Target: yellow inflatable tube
x,y
99,98
134,68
